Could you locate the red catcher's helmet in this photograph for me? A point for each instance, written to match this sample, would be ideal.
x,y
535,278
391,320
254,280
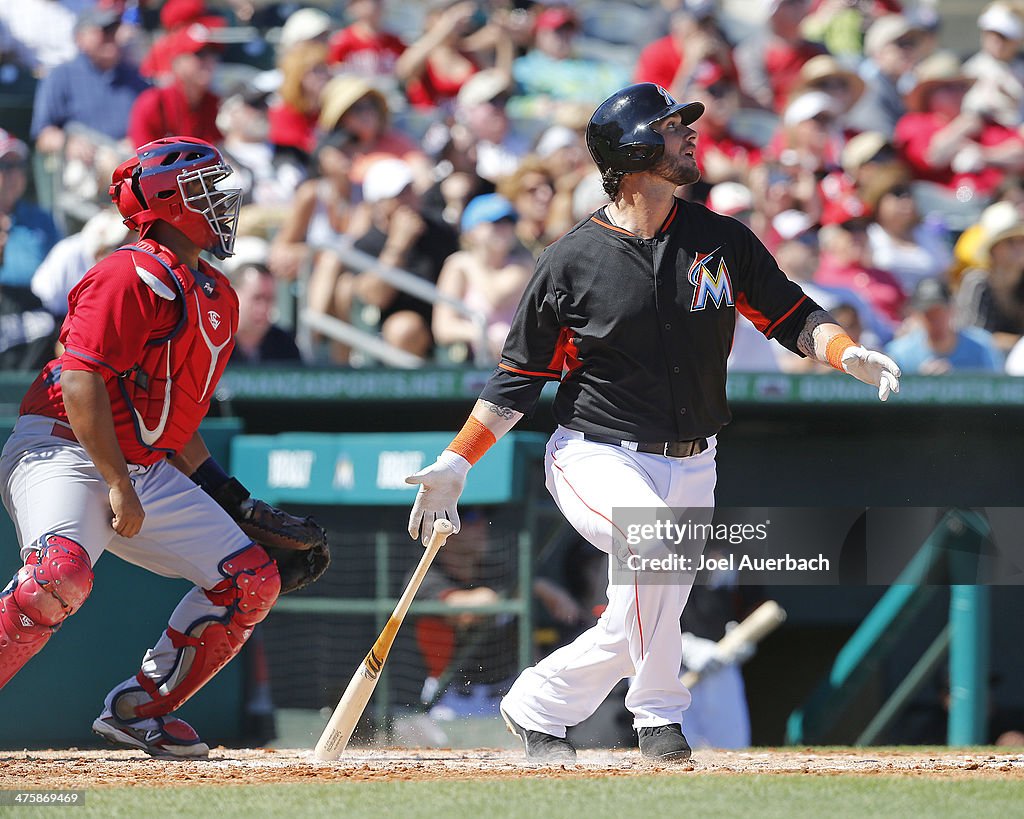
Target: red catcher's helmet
x,y
174,180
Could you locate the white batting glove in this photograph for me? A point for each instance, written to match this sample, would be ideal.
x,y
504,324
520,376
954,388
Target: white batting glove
x,y
700,655
873,368
441,484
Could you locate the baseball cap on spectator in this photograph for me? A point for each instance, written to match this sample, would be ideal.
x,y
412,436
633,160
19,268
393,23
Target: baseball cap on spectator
x,y
97,17
192,39
490,207
818,71
862,149
484,86
385,179
10,144
887,30
555,18
1002,20
942,68
554,139
999,222
730,198
304,25
929,292
341,93
807,106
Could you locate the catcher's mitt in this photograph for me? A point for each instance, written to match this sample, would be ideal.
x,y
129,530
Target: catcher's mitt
x,y
298,545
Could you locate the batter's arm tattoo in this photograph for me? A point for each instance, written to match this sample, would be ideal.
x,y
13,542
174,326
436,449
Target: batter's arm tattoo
x,y
814,338
502,412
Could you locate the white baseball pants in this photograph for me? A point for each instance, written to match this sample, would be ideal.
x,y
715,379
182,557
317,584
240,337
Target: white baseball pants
x,y
638,635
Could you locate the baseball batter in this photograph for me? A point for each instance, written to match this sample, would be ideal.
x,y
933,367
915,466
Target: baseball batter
x,y
633,312
107,439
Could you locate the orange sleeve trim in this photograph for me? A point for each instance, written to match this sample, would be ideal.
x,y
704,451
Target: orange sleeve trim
x,y
473,440
511,369
837,345
752,314
785,316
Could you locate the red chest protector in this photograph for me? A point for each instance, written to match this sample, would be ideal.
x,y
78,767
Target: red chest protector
x,y
168,390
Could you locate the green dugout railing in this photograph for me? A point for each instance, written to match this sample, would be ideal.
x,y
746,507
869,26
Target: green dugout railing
x,y
950,556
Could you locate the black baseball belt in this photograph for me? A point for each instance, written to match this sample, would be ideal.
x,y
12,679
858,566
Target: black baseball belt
x,y
670,449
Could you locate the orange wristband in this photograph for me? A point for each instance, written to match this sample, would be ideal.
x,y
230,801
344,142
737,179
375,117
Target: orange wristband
x,y
473,440
837,345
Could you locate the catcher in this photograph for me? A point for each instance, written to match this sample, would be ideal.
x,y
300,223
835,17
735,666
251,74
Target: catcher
x,y
106,455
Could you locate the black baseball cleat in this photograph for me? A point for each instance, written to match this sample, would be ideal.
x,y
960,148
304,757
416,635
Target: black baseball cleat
x,y
664,743
539,746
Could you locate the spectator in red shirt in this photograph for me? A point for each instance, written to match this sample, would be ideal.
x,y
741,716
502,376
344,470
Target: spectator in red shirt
x,y
186,107
694,37
770,63
293,119
845,263
947,142
437,65
364,47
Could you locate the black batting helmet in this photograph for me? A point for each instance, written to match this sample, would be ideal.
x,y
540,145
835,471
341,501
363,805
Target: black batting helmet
x,y
619,134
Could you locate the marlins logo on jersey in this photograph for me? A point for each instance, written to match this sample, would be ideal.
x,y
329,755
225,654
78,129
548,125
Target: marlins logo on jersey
x,y
710,281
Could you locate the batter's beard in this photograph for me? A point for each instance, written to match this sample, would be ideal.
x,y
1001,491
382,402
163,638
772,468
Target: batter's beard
x,y
677,170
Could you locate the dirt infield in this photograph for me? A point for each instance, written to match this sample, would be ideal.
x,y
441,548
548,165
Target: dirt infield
x,y
73,768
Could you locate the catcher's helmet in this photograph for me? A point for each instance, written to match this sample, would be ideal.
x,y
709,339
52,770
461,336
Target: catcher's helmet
x,y
619,134
174,180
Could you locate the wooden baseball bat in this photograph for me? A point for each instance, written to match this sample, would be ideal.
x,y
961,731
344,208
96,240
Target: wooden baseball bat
x,y
761,622
350,708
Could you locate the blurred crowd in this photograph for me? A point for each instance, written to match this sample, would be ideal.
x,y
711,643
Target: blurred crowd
x,y
405,163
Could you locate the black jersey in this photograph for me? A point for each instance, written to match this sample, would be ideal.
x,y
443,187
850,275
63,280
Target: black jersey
x,y
639,330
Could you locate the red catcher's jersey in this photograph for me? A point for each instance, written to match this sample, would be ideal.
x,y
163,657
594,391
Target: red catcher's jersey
x,y
159,333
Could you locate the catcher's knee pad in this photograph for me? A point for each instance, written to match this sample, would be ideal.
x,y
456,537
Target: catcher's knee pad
x,y
51,586
250,587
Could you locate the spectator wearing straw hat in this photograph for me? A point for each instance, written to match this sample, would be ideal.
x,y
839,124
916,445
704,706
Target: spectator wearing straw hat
x,y
945,142
351,104
187,106
992,297
826,74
